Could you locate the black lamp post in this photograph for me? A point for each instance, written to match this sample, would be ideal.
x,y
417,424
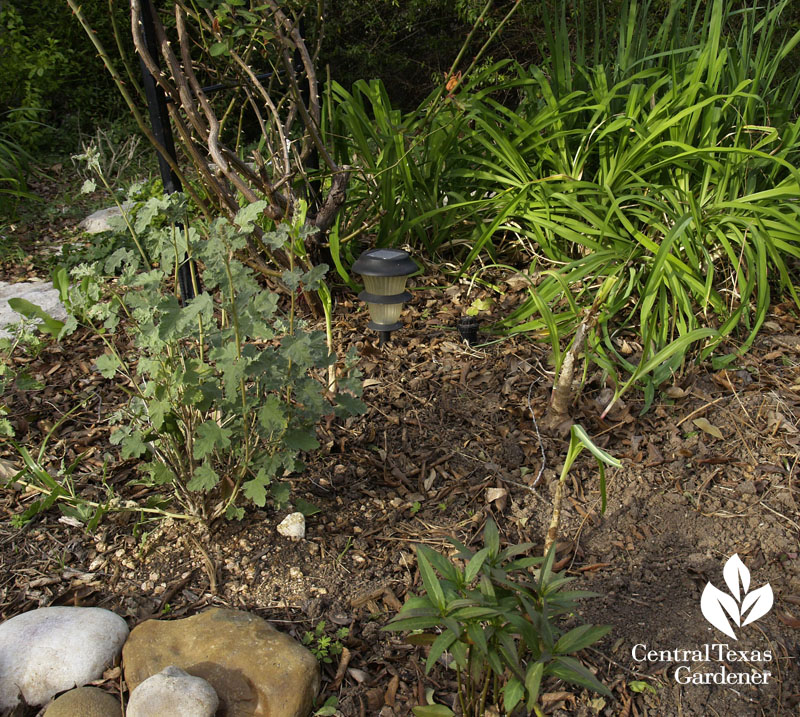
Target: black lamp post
x,y
385,272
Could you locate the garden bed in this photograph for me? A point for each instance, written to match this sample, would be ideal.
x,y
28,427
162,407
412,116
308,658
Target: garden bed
x,y
447,424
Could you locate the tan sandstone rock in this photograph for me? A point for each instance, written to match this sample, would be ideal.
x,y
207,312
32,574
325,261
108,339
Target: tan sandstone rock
x,y
85,702
255,670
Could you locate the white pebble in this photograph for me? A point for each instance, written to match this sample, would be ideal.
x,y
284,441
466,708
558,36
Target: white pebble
x,y
293,526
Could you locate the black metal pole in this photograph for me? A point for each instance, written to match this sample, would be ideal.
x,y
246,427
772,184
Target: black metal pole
x,y
159,119
157,102
312,162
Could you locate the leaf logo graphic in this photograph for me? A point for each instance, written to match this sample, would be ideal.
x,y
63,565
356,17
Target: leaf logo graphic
x,y
718,607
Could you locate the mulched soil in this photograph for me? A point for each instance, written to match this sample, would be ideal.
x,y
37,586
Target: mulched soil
x,y
447,426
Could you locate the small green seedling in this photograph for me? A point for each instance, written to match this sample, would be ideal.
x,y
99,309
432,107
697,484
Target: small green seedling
x,y
323,646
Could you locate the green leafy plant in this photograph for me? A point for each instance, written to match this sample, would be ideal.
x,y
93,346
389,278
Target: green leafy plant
x,y
14,161
59,489
641,686
659,170
578,441
23,334
225,389
328,709
322,645
495,613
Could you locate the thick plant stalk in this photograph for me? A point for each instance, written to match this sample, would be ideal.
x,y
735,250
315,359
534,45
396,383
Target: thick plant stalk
x,y
557,416
555,519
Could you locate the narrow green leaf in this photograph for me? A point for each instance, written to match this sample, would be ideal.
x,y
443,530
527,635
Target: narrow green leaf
x,y
580,637
569,669
533,680
440,645
475,564
49,325
433,711
513,692
596,451
491,538
429,579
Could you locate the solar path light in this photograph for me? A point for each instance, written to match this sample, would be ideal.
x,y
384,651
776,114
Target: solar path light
x,y
385,272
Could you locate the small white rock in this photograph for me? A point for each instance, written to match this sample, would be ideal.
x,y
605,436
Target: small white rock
x,y
37,292
293,526
173,692
103,219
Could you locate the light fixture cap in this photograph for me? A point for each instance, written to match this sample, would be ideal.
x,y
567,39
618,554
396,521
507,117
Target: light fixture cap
x,y
385,262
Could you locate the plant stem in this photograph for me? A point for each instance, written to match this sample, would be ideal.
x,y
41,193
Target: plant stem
x,y
120,509
131,230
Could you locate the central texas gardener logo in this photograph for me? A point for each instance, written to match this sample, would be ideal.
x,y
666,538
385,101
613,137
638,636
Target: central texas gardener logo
x,y
743,605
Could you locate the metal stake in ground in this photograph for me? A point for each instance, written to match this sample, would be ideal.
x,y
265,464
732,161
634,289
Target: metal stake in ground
x,y
159,119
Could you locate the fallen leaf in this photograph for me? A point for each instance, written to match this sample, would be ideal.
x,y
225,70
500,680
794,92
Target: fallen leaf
x,y
391,690
493,494
112,673
654,457
358,675
723,379
597,704
551,699
428,482
778,420
788,620
7,469
675,392
374,699
704,425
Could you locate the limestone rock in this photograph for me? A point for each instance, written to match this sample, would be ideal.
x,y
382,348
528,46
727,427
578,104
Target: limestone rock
x,y
85,702
293,526
52,649
173,692
255,670
102,219
40,293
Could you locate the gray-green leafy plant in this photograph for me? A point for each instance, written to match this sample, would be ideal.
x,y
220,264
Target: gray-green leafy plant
x,y
496,614
225,389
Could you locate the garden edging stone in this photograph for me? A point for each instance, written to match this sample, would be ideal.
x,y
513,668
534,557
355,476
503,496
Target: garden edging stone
x,y
230,659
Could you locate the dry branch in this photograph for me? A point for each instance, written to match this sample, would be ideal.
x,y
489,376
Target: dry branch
x,y
288,118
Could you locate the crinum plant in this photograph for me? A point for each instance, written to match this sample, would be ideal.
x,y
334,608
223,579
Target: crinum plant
x,y
224,387
495,613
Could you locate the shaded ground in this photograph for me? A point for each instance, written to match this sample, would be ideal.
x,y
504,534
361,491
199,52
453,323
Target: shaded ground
x,y
446,423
